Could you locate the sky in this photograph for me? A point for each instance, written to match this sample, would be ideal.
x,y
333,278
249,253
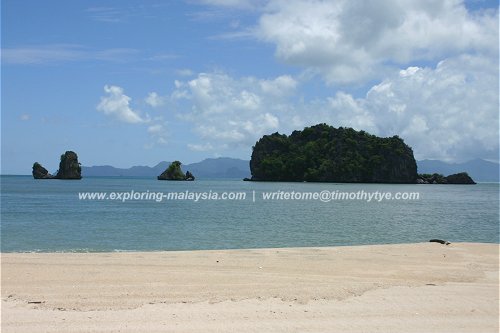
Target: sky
x,y
129,82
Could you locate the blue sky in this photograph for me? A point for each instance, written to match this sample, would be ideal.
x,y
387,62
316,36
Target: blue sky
x,y
137,82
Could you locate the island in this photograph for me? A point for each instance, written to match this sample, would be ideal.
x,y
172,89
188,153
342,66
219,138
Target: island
x,y
322,153
174,172
69,168
436,178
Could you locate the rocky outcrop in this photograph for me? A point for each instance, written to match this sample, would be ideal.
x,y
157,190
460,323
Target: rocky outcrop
x,y
322,153
69,168
189,176
436,178
174,172
460,178
39,172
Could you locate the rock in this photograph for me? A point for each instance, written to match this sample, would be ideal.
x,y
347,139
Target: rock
x,y
69,168
189,176
174,172
440,241
460,178
39,172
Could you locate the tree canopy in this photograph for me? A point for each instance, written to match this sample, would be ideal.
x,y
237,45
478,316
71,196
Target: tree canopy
x,y
322,153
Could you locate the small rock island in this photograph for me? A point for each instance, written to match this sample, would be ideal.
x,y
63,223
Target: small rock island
x,y
436,178
174,172
69,168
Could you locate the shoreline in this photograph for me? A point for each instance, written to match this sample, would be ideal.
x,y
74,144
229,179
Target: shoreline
x,y
343,288
229,249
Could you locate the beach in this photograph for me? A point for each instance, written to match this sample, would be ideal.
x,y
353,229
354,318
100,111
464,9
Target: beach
x,y
421,287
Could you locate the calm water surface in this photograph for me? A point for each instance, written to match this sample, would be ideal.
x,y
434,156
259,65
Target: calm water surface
x,y
46,215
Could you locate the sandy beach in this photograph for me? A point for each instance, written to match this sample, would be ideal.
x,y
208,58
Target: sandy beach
x,y
424,287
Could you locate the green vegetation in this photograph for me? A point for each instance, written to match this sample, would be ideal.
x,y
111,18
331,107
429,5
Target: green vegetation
x,y
437,178
174,172
322,153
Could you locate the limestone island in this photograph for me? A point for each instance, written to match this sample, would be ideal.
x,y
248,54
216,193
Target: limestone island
x,y
69,168
174,172
322,153
436,178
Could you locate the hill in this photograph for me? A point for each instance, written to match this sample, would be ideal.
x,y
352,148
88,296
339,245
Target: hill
x,y
223,167
322,153
480,170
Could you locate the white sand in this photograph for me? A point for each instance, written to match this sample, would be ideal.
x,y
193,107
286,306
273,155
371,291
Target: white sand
x,y
425,287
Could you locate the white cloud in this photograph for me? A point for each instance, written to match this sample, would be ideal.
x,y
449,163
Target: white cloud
x,y
349,41
233,111
25,117
200,147
448,112
445,109
55,53
280,86
117,104
154,100
158,130
155,129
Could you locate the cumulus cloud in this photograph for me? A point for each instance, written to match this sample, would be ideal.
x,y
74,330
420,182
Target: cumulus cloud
x,y
349,41
233,111
154,100
449,111
435,65
117,104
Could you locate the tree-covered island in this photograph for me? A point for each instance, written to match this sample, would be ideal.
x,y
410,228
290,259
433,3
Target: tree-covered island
x,y
322,153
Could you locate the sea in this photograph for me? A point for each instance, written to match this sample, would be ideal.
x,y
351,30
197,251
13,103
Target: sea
x,y
144,214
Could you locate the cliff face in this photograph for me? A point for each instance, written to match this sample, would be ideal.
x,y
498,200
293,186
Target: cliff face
x,y
69,168
322,153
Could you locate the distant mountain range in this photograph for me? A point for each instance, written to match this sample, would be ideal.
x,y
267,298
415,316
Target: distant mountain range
x,y
480,170
224,167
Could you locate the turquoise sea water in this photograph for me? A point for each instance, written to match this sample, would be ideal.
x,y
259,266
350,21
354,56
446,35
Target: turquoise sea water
x,y
47,215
